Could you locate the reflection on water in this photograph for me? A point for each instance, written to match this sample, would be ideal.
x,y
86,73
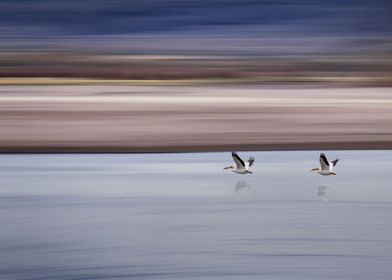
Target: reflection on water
x,y
241,186
174,217
322,193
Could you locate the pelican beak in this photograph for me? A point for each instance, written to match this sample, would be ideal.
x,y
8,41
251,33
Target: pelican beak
x,y
314,169
227,167
333,173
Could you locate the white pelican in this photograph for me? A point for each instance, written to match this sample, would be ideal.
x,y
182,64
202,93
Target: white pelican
x,y
241,166
326,167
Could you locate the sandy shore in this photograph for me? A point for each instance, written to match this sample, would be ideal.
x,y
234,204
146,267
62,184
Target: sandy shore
x,y
185,118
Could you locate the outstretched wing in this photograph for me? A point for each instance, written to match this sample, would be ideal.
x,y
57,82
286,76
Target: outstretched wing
x,y
334,162
324,162
250,161
238,161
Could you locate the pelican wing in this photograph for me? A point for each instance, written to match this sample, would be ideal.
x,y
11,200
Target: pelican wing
x,y
250,162
324,162
238,161
334,162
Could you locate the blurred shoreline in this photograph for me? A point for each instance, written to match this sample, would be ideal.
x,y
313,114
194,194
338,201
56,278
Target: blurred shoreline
x,y
198,149
337,61
276,82
142,119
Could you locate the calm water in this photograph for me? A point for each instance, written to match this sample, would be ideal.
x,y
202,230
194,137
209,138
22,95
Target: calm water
x,y
180,216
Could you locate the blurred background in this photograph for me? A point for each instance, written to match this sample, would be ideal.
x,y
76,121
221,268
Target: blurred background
x,y
143,76
171,75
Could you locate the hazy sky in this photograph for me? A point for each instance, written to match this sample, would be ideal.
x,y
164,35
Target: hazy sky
x,y
31,18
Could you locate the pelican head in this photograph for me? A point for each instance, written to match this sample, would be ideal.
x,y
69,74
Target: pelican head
x,y
229,167
315,169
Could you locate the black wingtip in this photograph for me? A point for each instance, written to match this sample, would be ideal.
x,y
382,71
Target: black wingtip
x,y
324,159
251,160
334,162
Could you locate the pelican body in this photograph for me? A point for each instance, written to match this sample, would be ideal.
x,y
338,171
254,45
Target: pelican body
x,y
326,167
241,166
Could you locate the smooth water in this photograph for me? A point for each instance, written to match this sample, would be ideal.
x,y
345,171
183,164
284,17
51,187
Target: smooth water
x,y
180,216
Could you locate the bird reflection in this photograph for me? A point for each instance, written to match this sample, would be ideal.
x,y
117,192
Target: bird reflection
x,y
241,186
322,193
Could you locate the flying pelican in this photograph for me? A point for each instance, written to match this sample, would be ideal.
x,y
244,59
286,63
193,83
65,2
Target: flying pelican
x,y
326,167
242,167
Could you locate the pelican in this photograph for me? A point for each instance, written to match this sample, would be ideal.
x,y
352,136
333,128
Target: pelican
x,y
326,167
241,166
